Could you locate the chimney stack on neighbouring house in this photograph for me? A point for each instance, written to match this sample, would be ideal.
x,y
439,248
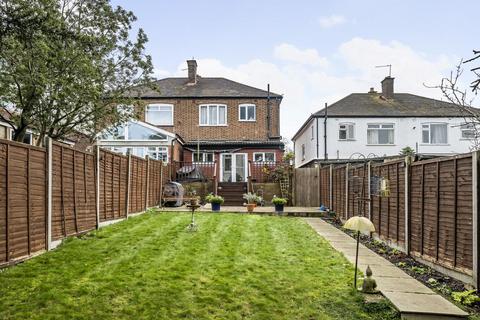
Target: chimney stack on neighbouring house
x,y
387,87
372,90
192,71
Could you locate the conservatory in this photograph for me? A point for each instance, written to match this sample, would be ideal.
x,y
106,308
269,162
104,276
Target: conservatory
x,y
139,139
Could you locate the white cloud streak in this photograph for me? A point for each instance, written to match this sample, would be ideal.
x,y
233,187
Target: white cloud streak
x,y
331,21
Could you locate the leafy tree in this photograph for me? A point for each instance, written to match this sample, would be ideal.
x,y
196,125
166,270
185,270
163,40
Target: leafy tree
x,y
407,151
66,64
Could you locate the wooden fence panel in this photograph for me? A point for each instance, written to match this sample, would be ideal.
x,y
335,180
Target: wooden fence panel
x,y
22,200
306,187
339,191
138,178
325,186
441,212
388,212
358,191
155,177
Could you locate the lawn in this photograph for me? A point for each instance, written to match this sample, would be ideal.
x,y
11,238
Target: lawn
x,y
235,267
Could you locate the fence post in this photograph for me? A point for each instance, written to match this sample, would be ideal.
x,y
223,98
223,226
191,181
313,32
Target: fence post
x,y
406,205
147,187
475,218
347,167
97,185
330,187
369,181
127,197
319,186
161,184
49,191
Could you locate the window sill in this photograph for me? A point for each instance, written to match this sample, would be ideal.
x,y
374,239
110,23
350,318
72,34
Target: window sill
x,y
467,139
381,145
346,140
213,125
247,120
434,144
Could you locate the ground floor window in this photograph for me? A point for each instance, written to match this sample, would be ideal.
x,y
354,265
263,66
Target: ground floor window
x,y
157,153
264,157
434,133
204,157
380,133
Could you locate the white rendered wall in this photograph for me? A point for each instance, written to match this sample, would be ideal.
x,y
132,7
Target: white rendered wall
x,y
408,132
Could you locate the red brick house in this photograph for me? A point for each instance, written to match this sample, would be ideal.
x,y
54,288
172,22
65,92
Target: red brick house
x,y
217,120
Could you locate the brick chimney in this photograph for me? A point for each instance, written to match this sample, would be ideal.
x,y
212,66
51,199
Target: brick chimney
x,y
192,71
387,88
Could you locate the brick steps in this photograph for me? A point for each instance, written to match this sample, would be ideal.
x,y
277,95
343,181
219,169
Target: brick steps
x,y
232,192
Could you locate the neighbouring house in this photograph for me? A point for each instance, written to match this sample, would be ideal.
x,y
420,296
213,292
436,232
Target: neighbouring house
x,y
216,120
381,124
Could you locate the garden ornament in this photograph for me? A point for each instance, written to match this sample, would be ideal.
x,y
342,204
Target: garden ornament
x,y
369,284
358,224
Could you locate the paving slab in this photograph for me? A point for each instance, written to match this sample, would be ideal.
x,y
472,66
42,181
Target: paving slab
x,y
412,298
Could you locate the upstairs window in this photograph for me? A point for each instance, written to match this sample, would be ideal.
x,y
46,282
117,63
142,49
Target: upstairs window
x,y
346,131
264,157
159,114
468,131
213,115
380,133
303,151
247,112
434,133
203,157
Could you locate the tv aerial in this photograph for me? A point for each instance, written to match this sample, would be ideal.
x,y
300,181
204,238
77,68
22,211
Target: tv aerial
x,y
389,66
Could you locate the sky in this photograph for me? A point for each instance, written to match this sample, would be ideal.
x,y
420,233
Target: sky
x,y
312,52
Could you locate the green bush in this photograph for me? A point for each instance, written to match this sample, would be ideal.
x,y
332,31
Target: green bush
x,y
467,297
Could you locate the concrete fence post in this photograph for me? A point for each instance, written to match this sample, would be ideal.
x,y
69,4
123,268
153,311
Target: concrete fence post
x,y
475,218
97,184
49,191
406,204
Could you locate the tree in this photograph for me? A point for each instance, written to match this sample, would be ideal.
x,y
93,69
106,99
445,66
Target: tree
x,y
66,64
452,90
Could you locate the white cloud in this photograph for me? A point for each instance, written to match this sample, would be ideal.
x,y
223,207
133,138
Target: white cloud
x,y
352,69
331,21
290,53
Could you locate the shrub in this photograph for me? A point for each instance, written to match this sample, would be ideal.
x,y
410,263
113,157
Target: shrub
x,y
466,298
278,200
211,198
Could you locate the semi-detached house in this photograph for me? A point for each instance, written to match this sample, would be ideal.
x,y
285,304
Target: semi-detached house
x,y
378,124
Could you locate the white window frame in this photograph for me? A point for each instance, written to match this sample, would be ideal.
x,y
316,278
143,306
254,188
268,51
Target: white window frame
x,y
246,105
208,115
381,128
312,133
159,105
430,133
467,127
157,150
347,124
263,157
303,152
203,156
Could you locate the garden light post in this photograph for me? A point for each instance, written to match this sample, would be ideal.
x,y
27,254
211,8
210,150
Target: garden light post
x,y
358,224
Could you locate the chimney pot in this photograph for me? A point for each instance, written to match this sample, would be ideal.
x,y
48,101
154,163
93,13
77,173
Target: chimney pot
x,y
372,90
387,87
192,71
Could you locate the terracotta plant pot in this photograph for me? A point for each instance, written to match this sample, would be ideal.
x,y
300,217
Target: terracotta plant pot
x,y
251,206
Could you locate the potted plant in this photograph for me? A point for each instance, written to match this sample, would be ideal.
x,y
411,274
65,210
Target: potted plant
x,y
216,201
279,203
252,200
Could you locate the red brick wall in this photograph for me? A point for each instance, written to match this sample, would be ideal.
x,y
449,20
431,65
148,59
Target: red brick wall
x,y
186,120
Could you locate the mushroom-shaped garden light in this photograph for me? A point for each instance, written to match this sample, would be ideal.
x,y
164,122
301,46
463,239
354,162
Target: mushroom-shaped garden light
x,y
358,224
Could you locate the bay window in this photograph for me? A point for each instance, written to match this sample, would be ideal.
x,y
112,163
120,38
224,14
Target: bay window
x,y
381,133
213,115
434,133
